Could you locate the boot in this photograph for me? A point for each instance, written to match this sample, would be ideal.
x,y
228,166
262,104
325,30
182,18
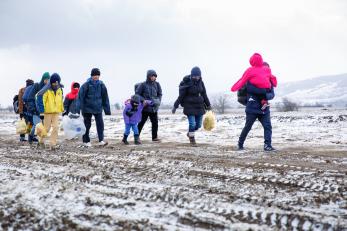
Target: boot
x,y
137,139
191,137
124,140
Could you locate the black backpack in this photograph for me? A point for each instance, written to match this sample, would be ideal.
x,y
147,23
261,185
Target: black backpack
x,y
242,95
15,104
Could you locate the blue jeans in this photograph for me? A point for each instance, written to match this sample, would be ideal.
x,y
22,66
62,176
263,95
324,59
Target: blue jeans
x,y
36,120
265,122
131,126
195,122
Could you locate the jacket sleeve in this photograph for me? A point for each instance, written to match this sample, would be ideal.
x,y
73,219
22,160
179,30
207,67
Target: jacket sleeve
x,y
160,92
20,101
81,96
67,103
241,82
270,94
105,100
204,95
40,103
182,94
139,91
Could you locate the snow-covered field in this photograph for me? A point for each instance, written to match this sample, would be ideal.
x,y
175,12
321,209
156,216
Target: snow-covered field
x,y
172,186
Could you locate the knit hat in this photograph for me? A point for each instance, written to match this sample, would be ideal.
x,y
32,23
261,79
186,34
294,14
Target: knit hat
x,y
29,82
195,71
136,99
55,78
45,76
95,71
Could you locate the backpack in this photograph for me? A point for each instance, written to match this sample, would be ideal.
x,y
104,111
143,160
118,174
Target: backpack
x,y
137,86
15,104
27,93
242,95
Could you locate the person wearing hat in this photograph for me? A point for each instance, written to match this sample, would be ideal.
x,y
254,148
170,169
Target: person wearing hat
x,y
50,105
132,114
22,111
29,99
193,98
150,90
93,99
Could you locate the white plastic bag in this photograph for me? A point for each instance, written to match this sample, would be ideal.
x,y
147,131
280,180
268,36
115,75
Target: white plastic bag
x,y
73,127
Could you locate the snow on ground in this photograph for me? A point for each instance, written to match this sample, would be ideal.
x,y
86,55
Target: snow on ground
x,y
172,186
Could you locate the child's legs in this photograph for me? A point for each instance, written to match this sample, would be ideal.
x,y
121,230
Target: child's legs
x,y
47,122
135,129
127,129
55,129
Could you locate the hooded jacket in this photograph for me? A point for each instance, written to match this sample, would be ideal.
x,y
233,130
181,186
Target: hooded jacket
x,y
192,96
71,101
49,100
258,75
135,118
30,102
93,97
150,90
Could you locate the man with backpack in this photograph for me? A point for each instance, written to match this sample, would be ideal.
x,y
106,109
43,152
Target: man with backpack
x,y
22,111
29,99
93,99
150,90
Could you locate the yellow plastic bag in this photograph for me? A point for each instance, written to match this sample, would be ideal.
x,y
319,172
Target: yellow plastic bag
x,y
21,127
209,121
40,130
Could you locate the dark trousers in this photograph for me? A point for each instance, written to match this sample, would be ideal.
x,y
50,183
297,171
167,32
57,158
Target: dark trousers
x,y
88,123
264,120
153,116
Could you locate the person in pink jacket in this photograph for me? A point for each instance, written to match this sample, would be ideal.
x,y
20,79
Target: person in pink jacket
x,y
259,75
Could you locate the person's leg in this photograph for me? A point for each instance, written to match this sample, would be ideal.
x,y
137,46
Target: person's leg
x,y
136,133
55,129
154,120
250,119
99,126
88,123
36,120
266,122
198,122
143,120
126,133
47,124
191,129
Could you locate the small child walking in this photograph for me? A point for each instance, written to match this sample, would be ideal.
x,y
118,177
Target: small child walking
x,y
132,116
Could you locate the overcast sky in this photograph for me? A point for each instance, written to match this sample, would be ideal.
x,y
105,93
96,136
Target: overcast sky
x,y
299,38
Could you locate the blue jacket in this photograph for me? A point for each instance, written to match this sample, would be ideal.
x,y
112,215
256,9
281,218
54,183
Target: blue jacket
x,y
93,97
30,99
254,97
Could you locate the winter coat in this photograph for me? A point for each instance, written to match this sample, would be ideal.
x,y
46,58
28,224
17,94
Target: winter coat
x,y
20,100
136,117
150,90
254,97
71,101
192,96
50,101
93,97
30,101
258,75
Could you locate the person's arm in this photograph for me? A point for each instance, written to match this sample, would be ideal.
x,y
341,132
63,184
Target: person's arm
x,y
105,101
254,90
242,81
139,91
181,95
206,100
270,94
20,102
160,93
67,103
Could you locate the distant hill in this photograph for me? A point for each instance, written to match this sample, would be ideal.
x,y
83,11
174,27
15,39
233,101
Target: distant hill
x,y
325,90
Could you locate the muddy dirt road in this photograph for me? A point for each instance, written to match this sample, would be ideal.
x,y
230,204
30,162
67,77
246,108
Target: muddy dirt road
x,y
171,186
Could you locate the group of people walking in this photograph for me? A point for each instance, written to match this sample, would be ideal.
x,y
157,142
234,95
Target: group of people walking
x,y
44,101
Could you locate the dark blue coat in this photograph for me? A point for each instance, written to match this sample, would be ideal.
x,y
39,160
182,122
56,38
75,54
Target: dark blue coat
x,y
192,97
254,97
30,101
93,97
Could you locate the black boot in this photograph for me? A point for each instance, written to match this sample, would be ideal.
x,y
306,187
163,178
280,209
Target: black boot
x,y
124,140
137,139
191,137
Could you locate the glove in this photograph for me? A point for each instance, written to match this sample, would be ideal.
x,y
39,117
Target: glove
x,y
130,113
21,115
65,113
208,108
173,110
42,117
